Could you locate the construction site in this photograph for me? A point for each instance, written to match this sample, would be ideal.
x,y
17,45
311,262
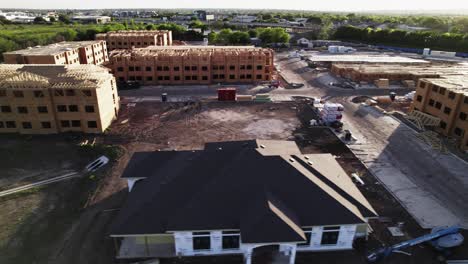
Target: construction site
x,y
135,38
67,52
192,65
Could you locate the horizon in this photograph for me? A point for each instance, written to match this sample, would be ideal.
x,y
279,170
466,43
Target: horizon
x,y
364,6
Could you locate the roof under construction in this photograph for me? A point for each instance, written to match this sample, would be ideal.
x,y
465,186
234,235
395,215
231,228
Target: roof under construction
x,y
437,69
178,51
456,84
54,49
129,33
52,76
349,58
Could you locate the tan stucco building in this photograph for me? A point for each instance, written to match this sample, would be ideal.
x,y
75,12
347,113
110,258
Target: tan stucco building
x,y
447,99
45,99
67,52
126,39
192,64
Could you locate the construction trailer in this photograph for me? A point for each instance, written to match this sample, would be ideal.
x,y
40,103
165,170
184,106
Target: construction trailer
x,y
126,39
447,99
67,52
192,64
48,99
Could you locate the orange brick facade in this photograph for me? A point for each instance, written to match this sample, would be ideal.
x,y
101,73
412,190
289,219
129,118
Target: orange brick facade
x,y
136,38
193,65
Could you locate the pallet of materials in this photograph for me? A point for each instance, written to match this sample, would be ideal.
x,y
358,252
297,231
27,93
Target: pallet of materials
x,y
244,98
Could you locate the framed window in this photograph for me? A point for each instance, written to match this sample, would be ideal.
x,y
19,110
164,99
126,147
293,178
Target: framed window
x,y
159,68
58,92
419,98
70,92
176,78
61,108
131,68
167,78
465,100
438,105
249,67
5,109
138,78
76,123
249,76
443,125
92,124
462,116
232,67
231,240
148,69
18,93
259,67
201,240
120,69
447,110
194,68
187,68
38,94
215,67
64,123
330,235
431,102
204,68
26,125
308,235
215,76
187,78
442,91
149,78
137,68
22,109
2,93
451,95
232,77
10,124
87,92
435,88
46,125
458,131
42,109
204,78
176,68
2,125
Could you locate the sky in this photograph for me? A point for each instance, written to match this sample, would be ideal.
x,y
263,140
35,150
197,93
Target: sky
x,y
318,5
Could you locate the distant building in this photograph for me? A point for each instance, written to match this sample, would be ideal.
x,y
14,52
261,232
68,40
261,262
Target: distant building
x,y
47,99
193,64
92,19
67,52
126,39
246,196
244,19
18,17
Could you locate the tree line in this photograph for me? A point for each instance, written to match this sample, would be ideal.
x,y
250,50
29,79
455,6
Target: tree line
x,y
419,39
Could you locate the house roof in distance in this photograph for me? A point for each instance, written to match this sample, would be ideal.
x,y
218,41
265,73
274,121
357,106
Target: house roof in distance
x,y
252,186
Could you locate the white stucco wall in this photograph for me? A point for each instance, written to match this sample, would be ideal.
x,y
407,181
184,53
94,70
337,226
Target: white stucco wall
x,y
345,239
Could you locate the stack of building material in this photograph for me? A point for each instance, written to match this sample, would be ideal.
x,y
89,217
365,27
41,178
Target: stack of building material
x,y
262,98
331,112
244,98
227,94
382,83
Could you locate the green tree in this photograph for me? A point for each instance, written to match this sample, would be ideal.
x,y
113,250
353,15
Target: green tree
x,y
39,20
253,33
64,19
52,19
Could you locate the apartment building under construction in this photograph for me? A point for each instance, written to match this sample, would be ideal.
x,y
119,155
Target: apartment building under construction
x,y
447,99
67,52
45,99
126,39
193,64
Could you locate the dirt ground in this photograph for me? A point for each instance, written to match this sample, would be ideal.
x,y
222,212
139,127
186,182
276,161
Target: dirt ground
x,y
68,222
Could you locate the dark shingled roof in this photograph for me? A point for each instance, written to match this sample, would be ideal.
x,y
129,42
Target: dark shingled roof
x,y
230,185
